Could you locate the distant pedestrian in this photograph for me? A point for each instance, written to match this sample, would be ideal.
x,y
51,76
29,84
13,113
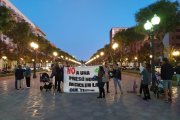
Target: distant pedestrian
x,y
146,78
19,75
117,78
100,83
27,75
166,75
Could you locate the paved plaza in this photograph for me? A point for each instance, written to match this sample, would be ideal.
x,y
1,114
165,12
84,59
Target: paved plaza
x,y
32,104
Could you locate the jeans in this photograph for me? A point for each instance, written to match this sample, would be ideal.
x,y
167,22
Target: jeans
x,y
117,83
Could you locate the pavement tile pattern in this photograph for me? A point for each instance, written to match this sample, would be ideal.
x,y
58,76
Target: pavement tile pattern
x,y
33,104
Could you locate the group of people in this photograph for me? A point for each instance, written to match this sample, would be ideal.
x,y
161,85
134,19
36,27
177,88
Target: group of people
x,y
20,74
166,74
105,74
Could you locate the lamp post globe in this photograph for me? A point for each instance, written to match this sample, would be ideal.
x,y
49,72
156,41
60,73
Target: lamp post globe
x,y
155,20
148,25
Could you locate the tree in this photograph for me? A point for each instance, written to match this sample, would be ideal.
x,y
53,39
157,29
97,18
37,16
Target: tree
x,y
6,20
168,12
20,34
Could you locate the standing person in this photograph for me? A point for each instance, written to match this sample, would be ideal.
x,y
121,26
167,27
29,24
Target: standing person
x,y
117,78
146,78
166,75
28,76
106,69
56,73
61,78
19,75
141,68
101,73
177,70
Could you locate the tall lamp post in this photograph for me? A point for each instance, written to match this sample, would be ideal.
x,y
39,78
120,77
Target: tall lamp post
x,y
35,46
149,26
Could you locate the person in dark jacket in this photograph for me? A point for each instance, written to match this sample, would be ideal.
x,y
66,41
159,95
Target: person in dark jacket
x,y
19,75
58,73
101,73
166,75
117,78
146,78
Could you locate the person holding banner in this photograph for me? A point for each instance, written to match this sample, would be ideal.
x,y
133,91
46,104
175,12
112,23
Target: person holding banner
x,y
101,76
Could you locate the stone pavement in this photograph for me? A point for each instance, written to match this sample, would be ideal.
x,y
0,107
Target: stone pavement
x,y
32,104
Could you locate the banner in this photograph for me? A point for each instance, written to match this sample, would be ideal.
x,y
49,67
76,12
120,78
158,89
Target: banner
x,y
80,79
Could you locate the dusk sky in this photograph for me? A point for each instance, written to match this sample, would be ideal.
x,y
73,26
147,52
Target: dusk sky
x,y
80,27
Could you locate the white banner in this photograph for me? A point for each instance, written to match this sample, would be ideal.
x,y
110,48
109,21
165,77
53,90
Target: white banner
x,y
80,79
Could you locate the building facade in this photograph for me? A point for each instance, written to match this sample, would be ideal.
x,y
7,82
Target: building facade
x,y
113,31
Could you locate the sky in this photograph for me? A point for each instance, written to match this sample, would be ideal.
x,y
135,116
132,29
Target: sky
x,y
80,27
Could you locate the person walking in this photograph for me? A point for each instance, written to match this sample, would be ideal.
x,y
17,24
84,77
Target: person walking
x,y
117,78
106,69
28,76
101,73
19,75
146,78
166,75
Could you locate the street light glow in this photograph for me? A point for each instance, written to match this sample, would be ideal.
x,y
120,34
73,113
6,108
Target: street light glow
x,y
176,53
55,54
115,45
97,56
148,25
135,58
34,45
4,57
102,53
155,20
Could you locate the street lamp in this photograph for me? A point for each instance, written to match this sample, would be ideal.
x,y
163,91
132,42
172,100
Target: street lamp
x,y
115,46
102,53
35,46
149,26
55,55
175,54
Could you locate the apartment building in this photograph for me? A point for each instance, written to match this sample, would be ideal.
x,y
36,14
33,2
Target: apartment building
x,y
115,30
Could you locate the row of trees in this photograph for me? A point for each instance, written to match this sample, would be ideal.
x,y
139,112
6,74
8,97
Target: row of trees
x,y
169,12
21,34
